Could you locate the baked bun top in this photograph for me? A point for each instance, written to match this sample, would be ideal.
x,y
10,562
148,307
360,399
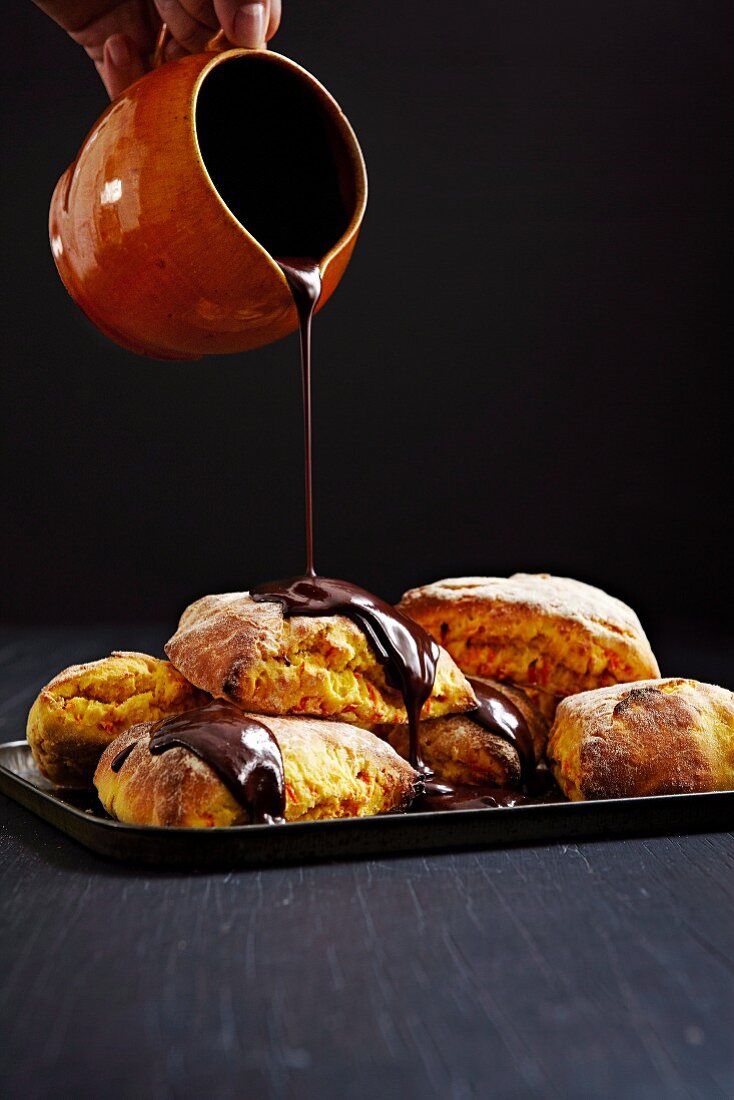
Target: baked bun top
x,y
538,594
331,770
553,636
537,724
113,680
84,707
251,653
460,749
665,736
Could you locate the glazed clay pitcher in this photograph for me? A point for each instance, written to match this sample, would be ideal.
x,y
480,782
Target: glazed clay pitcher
x,y
165,228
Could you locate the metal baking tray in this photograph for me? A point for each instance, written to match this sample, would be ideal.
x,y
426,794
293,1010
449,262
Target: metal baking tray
x,y
80,815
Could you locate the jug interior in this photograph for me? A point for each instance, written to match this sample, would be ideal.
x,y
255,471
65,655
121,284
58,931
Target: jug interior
x,y
276,156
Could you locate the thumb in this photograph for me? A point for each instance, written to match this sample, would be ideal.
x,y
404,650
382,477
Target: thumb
x,y
121,65
248,24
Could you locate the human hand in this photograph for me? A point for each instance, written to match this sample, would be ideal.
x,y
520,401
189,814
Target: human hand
x,y
120,35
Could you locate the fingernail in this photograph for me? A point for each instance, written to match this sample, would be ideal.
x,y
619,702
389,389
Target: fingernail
x,y
119,51
249,25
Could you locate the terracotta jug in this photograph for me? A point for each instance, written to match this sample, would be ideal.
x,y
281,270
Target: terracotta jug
x,y
165,227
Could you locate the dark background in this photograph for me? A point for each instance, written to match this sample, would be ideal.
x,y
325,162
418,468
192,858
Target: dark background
x,y
524,367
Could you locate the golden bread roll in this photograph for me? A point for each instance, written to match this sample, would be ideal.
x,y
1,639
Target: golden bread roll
x,y
86,706
331,769
551,636
263,661
667,736
462,751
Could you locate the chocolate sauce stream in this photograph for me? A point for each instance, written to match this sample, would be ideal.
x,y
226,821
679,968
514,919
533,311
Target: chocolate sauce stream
x,y
244,754
408,653
304,279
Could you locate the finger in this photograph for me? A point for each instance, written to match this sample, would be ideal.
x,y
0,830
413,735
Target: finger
x,y
202,11
138,23
187,31
244,24
274,21
121,64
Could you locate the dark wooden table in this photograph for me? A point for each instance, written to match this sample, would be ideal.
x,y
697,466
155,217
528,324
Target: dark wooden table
x,y
583,970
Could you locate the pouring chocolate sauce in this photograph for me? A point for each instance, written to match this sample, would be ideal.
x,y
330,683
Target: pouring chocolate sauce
x,y
407,652
244,753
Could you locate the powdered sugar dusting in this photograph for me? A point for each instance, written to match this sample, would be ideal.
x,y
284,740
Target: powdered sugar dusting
x,y
539,592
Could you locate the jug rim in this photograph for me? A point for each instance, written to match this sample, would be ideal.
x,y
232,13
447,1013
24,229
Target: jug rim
x,y
360,173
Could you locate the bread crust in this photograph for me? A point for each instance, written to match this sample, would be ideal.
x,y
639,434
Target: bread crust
x,y
252,654
461,751
85,707
331,769
552,636
663,736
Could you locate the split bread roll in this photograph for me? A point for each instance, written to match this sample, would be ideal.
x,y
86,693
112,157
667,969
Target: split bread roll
x,y
461,751
331,770
667,736
85,707
251,653
551,636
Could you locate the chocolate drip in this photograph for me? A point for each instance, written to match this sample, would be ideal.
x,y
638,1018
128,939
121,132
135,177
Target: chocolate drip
x,y
408,653
244,754
304,279
122,756
498,715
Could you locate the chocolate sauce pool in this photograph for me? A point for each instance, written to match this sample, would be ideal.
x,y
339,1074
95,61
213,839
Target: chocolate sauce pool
x,y
539,787
243,752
